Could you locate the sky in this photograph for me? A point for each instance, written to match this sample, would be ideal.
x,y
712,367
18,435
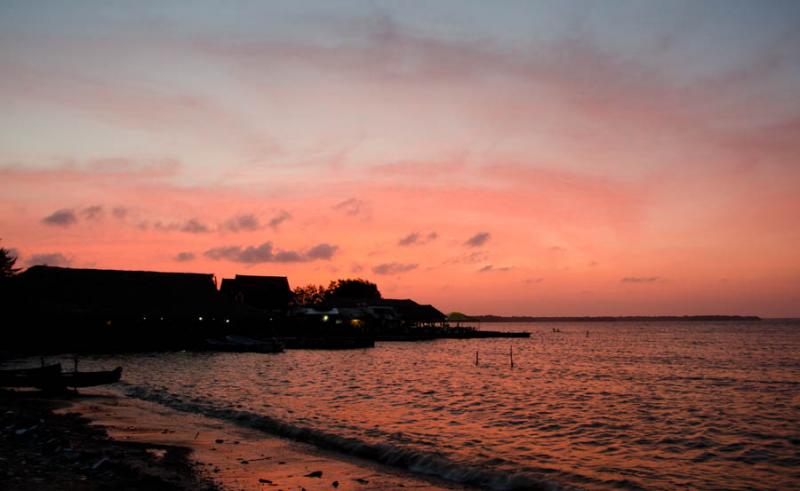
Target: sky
x,y
530,158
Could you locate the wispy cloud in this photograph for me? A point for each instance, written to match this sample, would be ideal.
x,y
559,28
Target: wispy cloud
x,y
409,239
281,217
94,212
350,206
266,253
246,222
478,239
191,226
183,257
471,258
393,268
194,226
120,212
641,279
61,218
415,238
321,251
489,268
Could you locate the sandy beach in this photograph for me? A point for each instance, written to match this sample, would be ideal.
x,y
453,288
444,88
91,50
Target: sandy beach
x,y
149,439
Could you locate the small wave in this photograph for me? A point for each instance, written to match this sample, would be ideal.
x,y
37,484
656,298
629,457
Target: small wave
x,y
415,461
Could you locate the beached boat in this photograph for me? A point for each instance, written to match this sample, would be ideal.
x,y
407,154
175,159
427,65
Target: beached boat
x,y
90,379
51,377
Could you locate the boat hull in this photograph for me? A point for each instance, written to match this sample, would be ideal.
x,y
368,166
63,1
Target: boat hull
x,y
52,378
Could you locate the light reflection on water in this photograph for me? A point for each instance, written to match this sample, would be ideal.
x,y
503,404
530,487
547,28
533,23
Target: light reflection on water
x,y
660,405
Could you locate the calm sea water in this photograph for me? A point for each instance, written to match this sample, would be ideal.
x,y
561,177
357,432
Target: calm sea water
x,y
594,406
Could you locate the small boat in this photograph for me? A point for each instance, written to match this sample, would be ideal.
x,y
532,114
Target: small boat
x,y
29,377
51,377
90,379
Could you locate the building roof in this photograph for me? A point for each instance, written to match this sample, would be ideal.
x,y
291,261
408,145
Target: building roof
x,y
117,289
264,292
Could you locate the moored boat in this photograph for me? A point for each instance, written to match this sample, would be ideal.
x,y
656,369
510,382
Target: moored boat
x,y
51,377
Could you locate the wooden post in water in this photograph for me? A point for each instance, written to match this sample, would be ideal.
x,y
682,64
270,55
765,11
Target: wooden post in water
x,y
476,358
511,355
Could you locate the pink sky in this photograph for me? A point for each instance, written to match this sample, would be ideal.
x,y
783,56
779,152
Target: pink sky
x,y
575,172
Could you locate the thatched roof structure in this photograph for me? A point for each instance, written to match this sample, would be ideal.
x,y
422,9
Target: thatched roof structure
x,y
411,311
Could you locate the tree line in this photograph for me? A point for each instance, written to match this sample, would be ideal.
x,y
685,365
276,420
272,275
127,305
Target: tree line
x,y
345,290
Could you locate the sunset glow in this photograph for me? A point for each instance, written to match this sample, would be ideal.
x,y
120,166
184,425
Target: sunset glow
x,y
537,159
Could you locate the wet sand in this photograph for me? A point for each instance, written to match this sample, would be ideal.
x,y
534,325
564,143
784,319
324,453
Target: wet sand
x,y
236,458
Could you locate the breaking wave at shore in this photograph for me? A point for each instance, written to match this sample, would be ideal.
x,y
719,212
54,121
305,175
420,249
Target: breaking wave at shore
x,y
418,462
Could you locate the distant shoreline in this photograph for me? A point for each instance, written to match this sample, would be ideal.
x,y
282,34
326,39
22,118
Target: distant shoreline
x,y
632,318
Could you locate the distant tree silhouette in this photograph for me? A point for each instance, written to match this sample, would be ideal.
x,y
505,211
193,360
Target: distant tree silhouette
x,y
309,295
343,290
7,262
9,300
356,289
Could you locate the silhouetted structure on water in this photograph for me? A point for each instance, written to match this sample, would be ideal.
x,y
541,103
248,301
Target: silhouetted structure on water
x,y
113,294
68,309
270,293
415,314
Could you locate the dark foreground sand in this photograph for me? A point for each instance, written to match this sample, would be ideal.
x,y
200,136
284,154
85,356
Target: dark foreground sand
x,y
133,444
42,450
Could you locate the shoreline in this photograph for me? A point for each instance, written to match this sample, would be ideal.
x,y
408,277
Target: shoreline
x,y
45,445
218,454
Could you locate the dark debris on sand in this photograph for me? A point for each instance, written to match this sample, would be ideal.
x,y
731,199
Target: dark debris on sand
x,y
41,450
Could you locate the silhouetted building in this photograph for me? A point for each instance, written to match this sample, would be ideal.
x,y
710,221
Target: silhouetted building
x,y
270,293
111,293
413,313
